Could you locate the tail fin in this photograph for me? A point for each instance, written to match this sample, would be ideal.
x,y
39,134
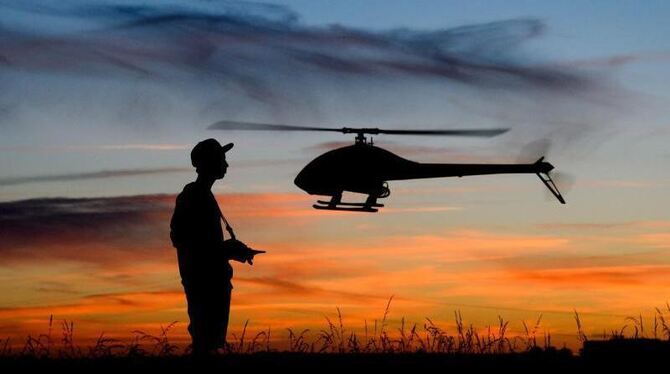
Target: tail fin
x,y
549,183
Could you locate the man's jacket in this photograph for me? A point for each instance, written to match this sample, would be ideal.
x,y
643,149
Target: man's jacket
x,y
195,230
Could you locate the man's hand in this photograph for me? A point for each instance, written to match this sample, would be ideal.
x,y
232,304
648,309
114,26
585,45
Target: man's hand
x,y
251,254
239,251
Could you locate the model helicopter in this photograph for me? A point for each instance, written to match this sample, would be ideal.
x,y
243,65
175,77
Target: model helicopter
x,y
365,168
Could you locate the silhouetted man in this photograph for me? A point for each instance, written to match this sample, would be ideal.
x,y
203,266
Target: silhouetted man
x,y
201,251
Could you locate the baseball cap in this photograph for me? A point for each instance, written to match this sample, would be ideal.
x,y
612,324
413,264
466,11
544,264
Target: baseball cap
x,y
207,150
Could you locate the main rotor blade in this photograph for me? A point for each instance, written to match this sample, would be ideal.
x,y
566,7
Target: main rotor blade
x,y
252,126
486,133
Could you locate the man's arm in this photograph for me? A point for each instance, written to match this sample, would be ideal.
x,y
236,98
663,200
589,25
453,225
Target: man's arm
x,y
178,223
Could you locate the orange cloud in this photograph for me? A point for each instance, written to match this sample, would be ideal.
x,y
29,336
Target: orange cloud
x,y
118,251
100,305
619,276
656,240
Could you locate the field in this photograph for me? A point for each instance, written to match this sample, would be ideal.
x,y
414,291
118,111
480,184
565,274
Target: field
x,y
336,349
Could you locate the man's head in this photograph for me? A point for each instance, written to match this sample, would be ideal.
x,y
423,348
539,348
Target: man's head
x,y
209,158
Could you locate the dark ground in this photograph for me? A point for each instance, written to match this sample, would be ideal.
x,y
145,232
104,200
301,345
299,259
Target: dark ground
x,y
595,359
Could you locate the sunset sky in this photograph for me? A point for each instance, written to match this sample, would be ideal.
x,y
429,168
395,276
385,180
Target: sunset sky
x,y
102,101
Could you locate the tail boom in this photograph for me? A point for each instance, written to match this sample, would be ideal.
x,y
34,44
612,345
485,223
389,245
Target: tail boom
x,y
420,171
540,168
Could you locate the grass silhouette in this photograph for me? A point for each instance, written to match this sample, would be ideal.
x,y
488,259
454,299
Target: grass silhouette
x,y
335,338
336,348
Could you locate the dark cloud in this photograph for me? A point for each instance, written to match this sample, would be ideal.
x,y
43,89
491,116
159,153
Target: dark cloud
x,y
121,67
623,59
295,288
49,287
90,175
252,45
127,228
118,231
120,173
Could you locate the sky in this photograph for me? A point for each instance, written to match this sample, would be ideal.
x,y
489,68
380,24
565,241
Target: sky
x,y
102,102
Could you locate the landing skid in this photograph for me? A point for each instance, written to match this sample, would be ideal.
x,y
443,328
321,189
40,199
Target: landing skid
x,y
370,205
375,205
347,208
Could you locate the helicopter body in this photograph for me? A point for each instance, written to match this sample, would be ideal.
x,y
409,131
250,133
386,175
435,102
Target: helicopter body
x,y
366,169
